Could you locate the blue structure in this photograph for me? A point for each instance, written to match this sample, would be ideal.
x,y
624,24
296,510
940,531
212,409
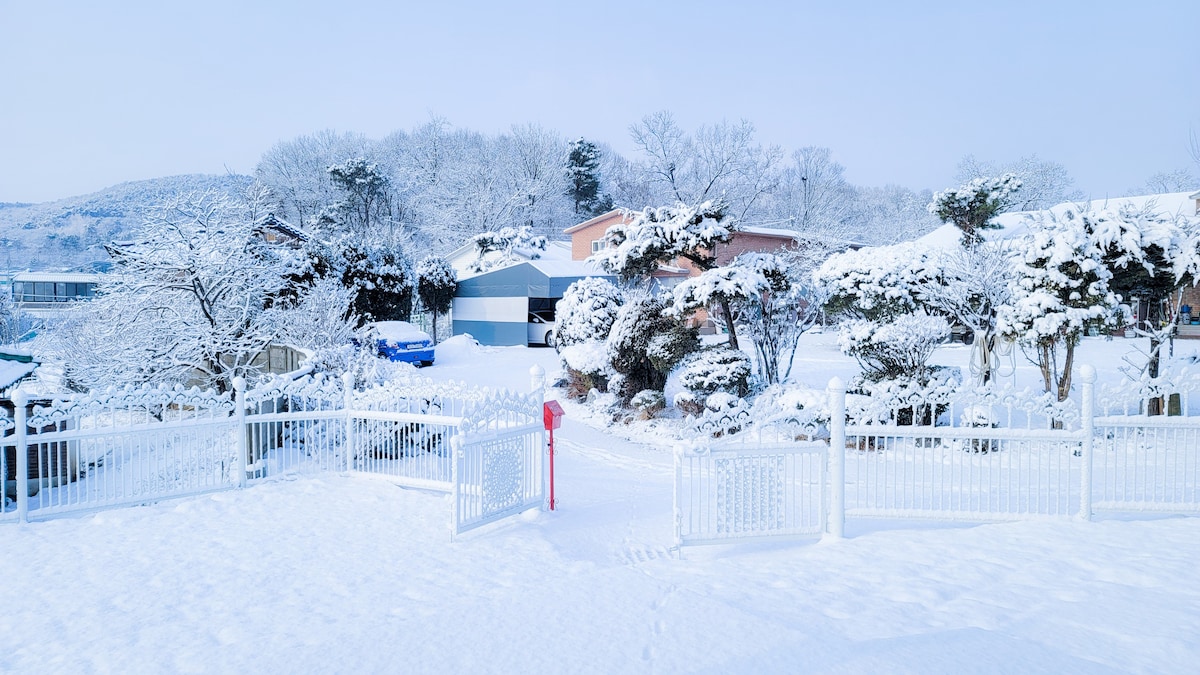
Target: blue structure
x,y
494,306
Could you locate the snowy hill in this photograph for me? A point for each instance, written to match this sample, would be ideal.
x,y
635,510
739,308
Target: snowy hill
x,y
72,232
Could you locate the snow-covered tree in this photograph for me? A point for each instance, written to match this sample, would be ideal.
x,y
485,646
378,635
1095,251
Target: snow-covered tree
x,y
436,283
382,280
505,246
583,180
972,206
1060,287
187,300
888,215
366,203
1150,255
1043,183
789,304
813,196
662,235
1163,182
10,320
721,161
971,285
296,172
644,345
322,322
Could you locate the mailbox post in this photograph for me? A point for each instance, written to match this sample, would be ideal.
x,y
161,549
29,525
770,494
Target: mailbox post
x,y
552,414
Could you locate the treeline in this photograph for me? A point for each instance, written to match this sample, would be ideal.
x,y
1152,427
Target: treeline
x,y
438,185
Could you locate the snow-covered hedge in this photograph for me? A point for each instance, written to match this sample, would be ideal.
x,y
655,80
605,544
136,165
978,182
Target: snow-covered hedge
x,y
896,349
717,369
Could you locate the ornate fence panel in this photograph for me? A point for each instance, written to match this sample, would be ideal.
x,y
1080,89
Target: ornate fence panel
x,y
497,475
771,482
295,426
500,463
1143,463
124,447
962,454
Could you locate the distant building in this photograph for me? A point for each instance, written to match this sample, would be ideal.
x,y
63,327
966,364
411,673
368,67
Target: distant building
x,y
45,294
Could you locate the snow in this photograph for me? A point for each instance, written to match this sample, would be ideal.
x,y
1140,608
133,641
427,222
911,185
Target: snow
x,y
397,332
348,573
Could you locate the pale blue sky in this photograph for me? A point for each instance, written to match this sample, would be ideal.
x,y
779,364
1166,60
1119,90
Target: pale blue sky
x,y
92,94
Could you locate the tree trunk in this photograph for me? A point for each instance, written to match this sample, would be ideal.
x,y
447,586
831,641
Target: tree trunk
x,y
434,331
1154,406
728,312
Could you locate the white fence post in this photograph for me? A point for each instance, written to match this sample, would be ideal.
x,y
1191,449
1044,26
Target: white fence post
x,y
20,400
677,494
1087,375
837,458
239,401
537,379
348,404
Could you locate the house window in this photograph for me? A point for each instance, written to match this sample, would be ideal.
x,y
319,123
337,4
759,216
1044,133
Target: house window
x,y
597,245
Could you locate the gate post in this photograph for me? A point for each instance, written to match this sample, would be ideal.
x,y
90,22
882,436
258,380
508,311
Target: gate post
x,y
239,400
20,400
1087,375
348,405
837,459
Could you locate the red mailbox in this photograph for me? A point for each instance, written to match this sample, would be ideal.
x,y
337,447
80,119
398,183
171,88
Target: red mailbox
x,y
552,414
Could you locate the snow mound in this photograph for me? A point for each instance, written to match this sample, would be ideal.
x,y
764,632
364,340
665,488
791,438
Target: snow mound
x,y
458,349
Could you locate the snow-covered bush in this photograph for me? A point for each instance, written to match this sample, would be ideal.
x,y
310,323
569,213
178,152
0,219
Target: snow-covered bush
x,y
585,316
436,284
876,283
898,349
645,344
648,403
586,311
717,369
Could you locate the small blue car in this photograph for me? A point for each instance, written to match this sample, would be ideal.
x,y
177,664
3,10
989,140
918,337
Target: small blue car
x,y
402,341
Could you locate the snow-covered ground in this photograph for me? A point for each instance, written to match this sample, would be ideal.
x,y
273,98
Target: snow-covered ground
x,y
355,574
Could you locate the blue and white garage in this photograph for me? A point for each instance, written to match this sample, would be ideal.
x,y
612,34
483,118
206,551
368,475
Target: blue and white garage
x,y
515,305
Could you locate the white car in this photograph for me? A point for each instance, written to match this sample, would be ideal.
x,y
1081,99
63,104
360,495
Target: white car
x,y
541,327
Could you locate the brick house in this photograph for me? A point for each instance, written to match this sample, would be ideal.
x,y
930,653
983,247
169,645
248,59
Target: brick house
x,y
588,238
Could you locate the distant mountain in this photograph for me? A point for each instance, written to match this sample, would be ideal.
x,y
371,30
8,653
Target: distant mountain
x,y
72,232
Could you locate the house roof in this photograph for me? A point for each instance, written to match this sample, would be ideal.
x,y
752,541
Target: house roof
x,y
12,372
1194,195
58,277
575,228
274,222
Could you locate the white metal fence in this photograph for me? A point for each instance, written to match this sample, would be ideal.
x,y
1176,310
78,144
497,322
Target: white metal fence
x,y
948,453
142,445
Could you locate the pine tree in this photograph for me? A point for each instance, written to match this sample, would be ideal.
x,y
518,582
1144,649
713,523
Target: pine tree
x,y
583,175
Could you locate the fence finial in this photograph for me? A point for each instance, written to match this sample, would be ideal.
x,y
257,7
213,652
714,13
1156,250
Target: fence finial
x,y
537,378
1087,373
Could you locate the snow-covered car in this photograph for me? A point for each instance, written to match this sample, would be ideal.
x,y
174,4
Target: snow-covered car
x,y
402,341
541,327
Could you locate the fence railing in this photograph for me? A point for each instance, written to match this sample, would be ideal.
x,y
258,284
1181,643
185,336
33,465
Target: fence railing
x,y
137,446
953,455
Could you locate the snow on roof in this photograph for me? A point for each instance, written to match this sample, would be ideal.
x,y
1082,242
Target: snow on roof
x,y
1016,223
768,232
60,277
568,268
591,221
12,371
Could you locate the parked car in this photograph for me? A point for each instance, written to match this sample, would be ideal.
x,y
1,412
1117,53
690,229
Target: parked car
x,y
541,327
402,341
